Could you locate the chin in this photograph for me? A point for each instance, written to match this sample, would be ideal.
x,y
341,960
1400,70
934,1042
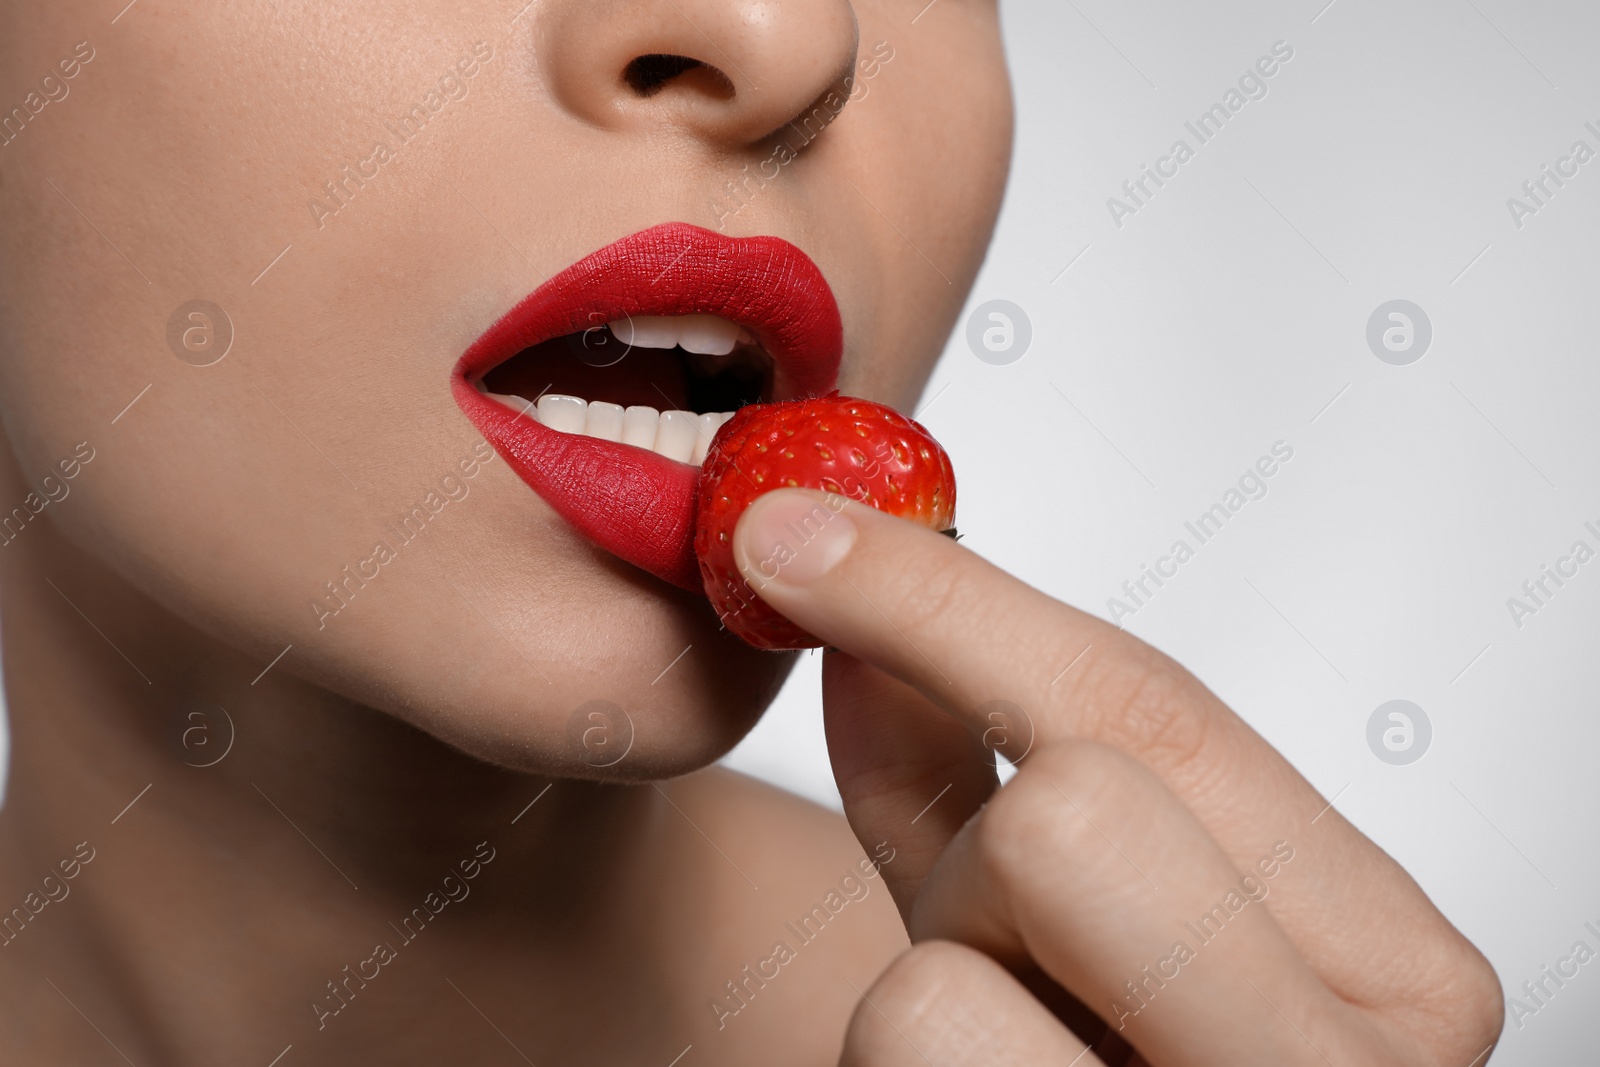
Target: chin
x,y
638,734
616,677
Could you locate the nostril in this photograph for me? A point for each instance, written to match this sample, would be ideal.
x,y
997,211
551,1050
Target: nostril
x,y
649,74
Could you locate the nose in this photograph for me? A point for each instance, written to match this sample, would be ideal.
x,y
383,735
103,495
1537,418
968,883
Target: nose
x,y
728,71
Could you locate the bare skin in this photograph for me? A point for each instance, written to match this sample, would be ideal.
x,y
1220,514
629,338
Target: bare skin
x,y
205,927
218,896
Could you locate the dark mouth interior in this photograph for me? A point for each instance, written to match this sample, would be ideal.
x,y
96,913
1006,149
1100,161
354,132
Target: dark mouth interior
x,y
595,365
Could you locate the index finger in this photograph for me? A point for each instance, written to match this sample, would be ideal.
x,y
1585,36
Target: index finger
x,y
966,634
941,618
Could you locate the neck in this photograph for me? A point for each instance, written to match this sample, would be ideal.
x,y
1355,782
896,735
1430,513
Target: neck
x,y
254,847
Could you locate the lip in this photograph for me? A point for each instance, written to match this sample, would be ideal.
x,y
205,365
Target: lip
x,y
634,503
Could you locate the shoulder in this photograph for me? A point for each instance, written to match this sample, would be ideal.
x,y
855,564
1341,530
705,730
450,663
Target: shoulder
x,y
804,919
747,805
782,835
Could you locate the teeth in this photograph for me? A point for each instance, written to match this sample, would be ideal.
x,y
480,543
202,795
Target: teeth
x,y
708,425
705,429
515,403
679,435
675,436
639,426
706,334
604,421
564,413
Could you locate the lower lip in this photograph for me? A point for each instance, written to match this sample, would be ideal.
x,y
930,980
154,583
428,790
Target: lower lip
x,y
635,504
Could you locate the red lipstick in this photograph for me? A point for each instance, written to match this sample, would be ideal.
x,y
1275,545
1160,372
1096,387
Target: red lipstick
x,y
630,501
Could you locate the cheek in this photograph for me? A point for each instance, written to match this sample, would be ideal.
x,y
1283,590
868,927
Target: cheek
x,y
940,150
242,454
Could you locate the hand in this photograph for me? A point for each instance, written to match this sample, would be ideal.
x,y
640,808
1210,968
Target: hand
x,y
1154,861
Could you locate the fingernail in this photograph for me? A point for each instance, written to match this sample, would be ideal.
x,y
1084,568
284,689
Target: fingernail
x,y
793,538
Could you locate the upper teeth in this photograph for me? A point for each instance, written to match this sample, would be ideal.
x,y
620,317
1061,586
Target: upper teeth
x,y
679,435
707,334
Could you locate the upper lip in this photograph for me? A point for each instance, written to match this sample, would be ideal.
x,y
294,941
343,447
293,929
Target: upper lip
x,y
636,504
764,284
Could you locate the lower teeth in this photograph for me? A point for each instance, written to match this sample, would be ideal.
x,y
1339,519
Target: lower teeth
x,y
683,436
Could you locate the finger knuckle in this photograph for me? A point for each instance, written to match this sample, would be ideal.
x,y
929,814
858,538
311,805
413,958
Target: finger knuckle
x,y
1055,802
1483,1007
1010,829
1150,707
1466,1011
925,987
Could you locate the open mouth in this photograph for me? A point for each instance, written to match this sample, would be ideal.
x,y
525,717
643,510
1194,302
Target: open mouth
x,y
658,382
604,387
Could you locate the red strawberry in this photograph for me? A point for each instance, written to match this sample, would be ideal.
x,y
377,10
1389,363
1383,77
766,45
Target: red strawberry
x,y
859,449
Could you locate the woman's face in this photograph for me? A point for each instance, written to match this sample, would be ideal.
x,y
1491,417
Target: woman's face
x,y
357,193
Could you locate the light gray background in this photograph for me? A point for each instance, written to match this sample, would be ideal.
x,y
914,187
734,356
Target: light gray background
x,y
1226,315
